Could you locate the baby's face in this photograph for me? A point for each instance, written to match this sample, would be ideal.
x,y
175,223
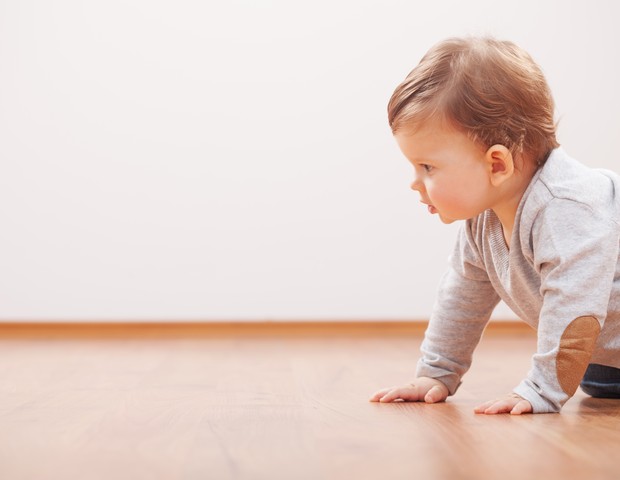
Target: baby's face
x,y
450,171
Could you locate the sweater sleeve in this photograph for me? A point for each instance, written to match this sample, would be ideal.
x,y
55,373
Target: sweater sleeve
x,y
575,253
462,309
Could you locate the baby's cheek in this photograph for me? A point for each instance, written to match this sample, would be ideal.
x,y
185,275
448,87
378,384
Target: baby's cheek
x,y
459,205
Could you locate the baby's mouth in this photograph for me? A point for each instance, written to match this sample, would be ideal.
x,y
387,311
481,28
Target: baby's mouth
x,y
431,208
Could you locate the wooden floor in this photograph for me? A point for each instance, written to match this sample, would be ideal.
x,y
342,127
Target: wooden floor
x,y
275,402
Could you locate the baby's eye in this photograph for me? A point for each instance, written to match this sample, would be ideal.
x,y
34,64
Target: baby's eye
x,y
426,167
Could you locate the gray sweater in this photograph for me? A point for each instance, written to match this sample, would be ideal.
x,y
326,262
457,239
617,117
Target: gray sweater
x,y
561,275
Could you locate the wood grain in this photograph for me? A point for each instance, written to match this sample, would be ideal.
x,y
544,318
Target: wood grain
x,y
282,404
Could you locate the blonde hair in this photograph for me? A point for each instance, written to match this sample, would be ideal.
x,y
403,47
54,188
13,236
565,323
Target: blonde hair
x,y
490,89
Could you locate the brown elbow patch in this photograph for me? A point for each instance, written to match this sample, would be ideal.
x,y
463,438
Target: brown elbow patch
x,y
576,346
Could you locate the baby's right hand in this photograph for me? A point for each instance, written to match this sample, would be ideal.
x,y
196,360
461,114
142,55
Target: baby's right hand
x,y
423,389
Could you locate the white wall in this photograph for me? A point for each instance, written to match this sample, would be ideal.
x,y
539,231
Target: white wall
x,y
232,160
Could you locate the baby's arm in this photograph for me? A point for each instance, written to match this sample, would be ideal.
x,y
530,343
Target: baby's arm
x,y
464,304
575,250
423,389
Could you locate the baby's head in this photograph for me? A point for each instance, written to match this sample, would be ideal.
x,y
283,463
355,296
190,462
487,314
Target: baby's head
x,y
490,90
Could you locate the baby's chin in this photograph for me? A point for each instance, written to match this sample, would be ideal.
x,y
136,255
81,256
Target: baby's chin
x,y
446,221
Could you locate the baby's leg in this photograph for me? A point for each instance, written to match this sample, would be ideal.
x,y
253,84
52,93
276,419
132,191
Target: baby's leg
x,y
601,381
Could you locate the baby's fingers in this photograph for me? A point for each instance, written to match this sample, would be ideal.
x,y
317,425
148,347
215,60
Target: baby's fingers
x,y
381,393
394,394
502,406
522,407
512,403
436,394
482,408
407,393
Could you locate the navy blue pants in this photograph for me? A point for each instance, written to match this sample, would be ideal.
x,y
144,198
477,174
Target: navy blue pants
x,y
601,381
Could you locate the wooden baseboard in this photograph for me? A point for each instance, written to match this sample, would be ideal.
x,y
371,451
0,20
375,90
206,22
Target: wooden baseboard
x,y
216,329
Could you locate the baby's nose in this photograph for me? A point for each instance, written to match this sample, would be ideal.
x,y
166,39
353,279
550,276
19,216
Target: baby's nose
x,y
416,185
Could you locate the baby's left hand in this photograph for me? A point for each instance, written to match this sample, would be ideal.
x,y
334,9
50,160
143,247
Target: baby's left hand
x,y
513,404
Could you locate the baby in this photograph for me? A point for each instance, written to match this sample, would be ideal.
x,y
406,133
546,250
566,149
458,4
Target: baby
x,y
541,230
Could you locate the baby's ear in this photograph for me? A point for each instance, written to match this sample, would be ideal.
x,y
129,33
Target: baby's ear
x,y
500,164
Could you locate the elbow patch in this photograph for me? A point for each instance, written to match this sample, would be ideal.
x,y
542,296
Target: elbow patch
x,y
576,346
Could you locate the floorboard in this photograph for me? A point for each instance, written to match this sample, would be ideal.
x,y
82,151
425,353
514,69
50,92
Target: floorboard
x,y
277,403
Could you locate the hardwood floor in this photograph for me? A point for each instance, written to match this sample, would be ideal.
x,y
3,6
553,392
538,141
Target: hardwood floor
x,y
275,402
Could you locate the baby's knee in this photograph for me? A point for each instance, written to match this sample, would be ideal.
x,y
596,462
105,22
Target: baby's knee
x,y
591,388
601,381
